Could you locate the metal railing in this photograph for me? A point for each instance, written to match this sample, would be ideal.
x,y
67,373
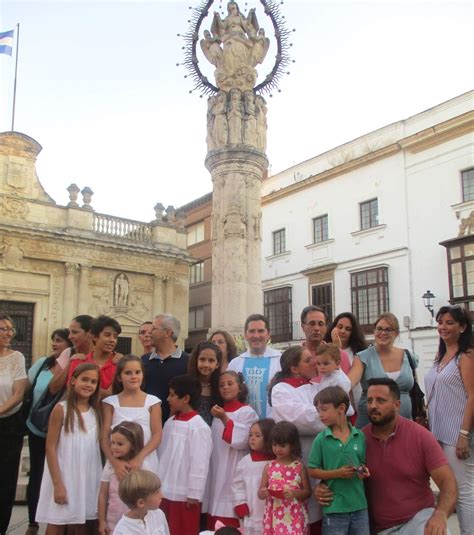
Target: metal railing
x,y
117,227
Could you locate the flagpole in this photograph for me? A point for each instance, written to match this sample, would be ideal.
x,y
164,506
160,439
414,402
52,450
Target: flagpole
x,y
16,69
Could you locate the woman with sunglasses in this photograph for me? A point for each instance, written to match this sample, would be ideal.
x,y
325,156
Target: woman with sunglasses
x,y
12,387
450,399
383,359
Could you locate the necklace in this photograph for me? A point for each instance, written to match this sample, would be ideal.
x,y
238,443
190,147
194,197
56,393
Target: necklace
x,y
205,385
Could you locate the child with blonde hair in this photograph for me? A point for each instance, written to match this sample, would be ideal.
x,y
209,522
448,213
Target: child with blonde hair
x,y
140,490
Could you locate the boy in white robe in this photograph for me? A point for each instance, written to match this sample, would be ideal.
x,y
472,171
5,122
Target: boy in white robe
x,y
184,456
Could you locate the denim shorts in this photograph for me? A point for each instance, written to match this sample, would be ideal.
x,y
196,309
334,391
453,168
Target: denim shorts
x,y
356,523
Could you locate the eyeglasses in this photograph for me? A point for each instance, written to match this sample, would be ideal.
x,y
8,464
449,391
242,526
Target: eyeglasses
x,y
8,330
388,330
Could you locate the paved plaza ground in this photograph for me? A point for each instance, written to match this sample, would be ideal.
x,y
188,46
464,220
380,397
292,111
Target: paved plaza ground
x,y
19,522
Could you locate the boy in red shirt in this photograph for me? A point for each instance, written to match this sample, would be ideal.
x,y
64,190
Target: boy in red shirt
x,y
105,332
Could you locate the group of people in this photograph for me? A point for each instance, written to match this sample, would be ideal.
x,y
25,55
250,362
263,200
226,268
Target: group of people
x,y
317,439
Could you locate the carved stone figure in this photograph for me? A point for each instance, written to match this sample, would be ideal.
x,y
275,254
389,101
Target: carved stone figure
x,y
217,126
211,49
260,48
250,119
121,290
234,116
261,111
243,47
466,226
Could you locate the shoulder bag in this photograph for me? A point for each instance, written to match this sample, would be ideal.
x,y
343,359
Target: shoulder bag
x,y
29,394
417,396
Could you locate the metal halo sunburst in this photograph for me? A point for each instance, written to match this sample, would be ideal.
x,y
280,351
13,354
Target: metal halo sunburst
x,y
282,58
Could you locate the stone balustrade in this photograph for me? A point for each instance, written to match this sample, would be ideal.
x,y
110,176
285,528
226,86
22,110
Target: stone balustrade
x,y
118,227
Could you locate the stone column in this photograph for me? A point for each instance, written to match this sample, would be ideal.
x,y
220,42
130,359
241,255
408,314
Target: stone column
x,y
68,299
169,295
236,161
158,295
83,297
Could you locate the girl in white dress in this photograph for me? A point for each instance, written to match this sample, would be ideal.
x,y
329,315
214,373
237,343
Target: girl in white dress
x,y
248,474
70,484
230,431
130,403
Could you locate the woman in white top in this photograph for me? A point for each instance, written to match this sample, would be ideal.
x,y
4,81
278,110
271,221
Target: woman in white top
x,y
12,387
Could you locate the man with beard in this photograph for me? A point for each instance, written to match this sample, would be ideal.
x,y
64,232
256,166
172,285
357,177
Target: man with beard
x,y
401,457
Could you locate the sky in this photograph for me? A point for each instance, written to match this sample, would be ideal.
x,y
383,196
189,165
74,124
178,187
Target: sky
x,y
98,87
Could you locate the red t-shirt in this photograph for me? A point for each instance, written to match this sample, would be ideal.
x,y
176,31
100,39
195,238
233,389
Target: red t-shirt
x,y
107,371
399,482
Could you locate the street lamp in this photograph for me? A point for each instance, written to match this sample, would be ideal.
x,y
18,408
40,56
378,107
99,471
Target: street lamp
x,y
428,297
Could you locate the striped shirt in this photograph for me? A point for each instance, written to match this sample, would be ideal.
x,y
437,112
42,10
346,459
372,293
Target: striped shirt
x,y
447,400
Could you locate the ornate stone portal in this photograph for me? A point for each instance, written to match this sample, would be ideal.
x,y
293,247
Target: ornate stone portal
x,y
236,144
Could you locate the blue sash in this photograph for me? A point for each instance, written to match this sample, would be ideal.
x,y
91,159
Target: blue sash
x,y
256,372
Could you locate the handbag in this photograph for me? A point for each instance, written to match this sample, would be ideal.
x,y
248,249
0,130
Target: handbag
x,y
29,394
43,408
417,396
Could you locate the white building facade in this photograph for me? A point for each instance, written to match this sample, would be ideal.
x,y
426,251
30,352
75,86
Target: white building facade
x,y
359,228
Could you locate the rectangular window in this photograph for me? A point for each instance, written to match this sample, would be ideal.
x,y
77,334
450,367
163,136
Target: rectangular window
x,y
468,185
369,214
196,318
197,273
277,308
320,229
369,291
195,233
279,241
321,296
461,273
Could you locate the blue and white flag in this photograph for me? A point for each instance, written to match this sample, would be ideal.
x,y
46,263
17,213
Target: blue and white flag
x,y
6,42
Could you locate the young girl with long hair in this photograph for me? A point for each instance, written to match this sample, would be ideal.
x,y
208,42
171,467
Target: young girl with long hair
x,y
285,485
130,403
230,431
291,396
70,485
205,363
126,442
248,474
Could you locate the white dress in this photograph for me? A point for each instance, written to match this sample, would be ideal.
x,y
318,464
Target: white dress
x,y
228,449
141,416
80,465
245,485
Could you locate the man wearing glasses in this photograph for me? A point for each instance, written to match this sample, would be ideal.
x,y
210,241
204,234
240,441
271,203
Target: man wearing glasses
x,y
166,360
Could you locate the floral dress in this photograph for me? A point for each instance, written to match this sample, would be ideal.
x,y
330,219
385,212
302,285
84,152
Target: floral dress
x,y
284,516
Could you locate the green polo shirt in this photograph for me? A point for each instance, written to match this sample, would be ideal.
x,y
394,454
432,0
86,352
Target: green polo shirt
x,y
329,453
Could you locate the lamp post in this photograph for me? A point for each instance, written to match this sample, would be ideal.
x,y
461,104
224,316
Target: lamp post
x,y
428,297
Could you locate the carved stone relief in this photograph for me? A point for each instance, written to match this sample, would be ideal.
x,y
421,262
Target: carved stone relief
x,y
236,118
466,227
14,208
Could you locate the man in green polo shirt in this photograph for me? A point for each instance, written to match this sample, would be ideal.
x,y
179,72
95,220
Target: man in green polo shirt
x,y
338,457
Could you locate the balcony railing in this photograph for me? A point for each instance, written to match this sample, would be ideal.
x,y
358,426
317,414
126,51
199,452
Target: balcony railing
x,y
117,227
